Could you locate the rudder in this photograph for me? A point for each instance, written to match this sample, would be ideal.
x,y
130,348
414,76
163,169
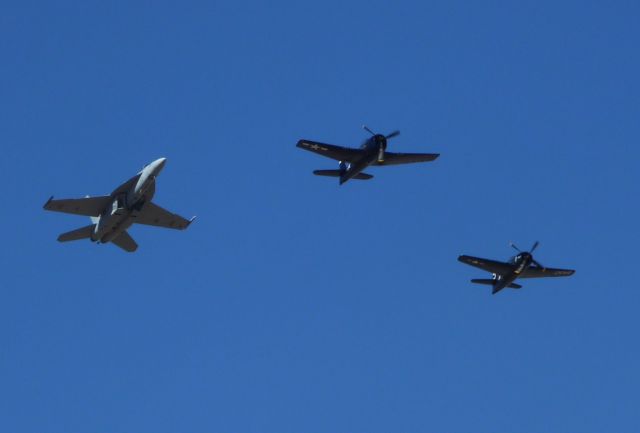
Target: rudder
x,y
125,241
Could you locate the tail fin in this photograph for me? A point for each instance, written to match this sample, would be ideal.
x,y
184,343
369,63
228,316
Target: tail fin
x,y
490,282
125,241
77,234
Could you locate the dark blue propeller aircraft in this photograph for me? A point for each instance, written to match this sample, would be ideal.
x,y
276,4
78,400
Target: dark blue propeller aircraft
x,y
523,265
372,152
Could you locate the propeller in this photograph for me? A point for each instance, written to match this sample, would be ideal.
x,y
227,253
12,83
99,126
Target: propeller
x,y
533,248
382,139
388,136
535,245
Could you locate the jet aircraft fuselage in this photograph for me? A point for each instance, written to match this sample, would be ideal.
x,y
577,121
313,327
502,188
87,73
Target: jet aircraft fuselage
x,y
112,215
128,200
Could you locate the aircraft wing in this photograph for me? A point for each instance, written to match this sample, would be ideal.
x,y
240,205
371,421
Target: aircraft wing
x,y
537,272
338,153
492,266
126,242
90,206
391,158
154,215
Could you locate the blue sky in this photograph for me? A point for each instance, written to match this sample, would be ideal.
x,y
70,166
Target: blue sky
x,y
292,304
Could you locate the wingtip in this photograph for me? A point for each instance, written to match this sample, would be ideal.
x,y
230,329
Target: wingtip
x,y
193,218
48,201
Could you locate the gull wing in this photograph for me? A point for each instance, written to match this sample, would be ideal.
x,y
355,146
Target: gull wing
x,y
338,153
537,272
391,158
154,215
492,266
89,206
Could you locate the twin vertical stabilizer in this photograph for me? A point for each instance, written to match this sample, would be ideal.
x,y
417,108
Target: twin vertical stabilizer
x,y
77,234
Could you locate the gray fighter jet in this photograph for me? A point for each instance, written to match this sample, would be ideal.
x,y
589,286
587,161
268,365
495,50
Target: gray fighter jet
x,y
111,215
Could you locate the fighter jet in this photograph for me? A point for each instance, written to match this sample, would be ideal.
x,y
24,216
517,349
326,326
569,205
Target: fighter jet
x,y
523,265
372,152
111,215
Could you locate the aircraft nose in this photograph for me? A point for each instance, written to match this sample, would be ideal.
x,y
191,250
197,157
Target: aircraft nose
x,y
160,162
157,165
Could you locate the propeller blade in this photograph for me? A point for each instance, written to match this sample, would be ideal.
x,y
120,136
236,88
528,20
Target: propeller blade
x,y
393,134
533,248
368,130
514,247
537,263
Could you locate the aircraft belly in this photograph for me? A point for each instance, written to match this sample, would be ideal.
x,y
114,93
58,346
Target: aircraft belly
x,y
358,166
115,225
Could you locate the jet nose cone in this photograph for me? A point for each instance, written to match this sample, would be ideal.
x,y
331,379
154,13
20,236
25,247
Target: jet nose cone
x,y
156,166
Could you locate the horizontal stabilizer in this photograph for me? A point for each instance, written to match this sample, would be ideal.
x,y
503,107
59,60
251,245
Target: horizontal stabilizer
x,y
338,173
490,282
74,235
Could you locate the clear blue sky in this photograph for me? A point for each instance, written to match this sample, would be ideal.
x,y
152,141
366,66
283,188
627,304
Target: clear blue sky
x,y
292,304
